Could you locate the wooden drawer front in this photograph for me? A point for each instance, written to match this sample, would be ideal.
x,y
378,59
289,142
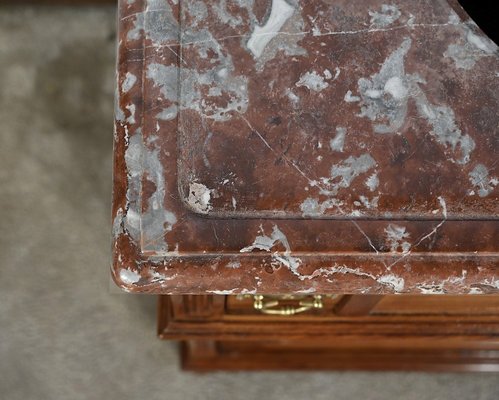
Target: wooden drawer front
x,y
431,305
220,317
333,305
438,305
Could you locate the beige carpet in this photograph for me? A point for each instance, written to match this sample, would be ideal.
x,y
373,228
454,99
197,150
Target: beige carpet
x,y
63,335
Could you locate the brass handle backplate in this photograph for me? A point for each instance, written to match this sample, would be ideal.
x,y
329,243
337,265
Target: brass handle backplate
x,y
279,305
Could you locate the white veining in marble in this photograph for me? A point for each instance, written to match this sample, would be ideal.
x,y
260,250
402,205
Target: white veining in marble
x,y
261,36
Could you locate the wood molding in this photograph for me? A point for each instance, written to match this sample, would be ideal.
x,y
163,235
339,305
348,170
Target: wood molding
x,y
205,356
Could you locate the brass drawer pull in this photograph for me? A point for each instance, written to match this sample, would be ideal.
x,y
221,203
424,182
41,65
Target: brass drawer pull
x,y
271,305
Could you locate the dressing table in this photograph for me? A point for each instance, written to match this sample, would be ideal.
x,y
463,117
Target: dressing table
x,y
310,184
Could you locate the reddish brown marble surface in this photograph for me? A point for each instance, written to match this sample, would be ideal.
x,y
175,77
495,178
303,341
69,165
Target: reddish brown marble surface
x,y
278,146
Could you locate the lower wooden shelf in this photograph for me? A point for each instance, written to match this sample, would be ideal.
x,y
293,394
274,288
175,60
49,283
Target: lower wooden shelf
x,y
411,333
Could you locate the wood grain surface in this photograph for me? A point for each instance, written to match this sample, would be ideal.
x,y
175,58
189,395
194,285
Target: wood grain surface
x,y
410,333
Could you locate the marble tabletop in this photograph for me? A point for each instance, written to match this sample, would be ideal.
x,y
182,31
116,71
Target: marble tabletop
x,y
321,146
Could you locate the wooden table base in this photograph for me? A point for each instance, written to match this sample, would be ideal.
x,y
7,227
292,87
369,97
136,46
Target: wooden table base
x,y
395,333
